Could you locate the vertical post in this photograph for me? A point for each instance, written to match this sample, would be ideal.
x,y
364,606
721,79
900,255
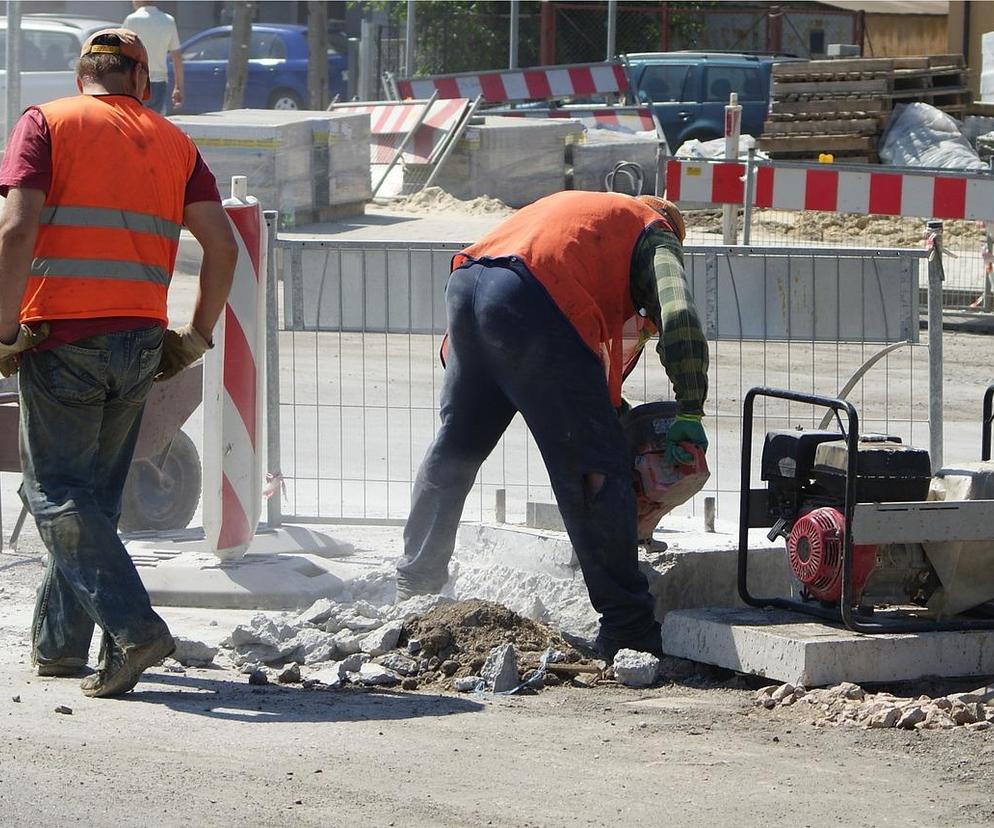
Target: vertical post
x,y
733,128
547,34
666,27
612,28
987,302
512,60
274,506
935,277
317,50
661,157
241,36
409,45
366,80
12,65
750,188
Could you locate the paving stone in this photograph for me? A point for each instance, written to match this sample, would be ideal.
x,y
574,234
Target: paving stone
x,y
635,669
192,653
500,671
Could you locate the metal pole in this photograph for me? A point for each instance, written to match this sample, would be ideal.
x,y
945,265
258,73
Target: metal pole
x,y
935,277
274,506
12,65
750,186
366,60
612,28
409,45
513,58
733,128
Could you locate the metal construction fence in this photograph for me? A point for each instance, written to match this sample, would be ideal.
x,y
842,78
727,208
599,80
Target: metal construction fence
x,y
355,384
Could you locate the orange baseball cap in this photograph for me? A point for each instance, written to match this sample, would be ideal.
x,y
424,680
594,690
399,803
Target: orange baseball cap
x,y
128,44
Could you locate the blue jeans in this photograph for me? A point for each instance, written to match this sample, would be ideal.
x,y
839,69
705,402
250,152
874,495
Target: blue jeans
x,y
81,406
159,99
511,349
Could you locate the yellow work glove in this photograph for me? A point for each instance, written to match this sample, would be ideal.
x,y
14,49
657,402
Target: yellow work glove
x,y
27,337
180,349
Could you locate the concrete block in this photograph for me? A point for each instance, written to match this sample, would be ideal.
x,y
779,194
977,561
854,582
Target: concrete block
x,y
790,647
545,516
592,159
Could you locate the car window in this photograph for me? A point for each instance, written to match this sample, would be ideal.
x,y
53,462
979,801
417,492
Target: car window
x,y
215,47
663,83
44,51
721,81
267,46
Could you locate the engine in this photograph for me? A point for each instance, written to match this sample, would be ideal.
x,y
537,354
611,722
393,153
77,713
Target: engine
x,y
805,472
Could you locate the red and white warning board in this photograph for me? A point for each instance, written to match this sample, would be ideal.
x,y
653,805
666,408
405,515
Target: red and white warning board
x,y
234,371
626,118
866,191
538,84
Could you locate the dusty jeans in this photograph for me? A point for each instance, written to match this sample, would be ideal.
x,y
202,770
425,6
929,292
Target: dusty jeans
x,y
81,407
511,349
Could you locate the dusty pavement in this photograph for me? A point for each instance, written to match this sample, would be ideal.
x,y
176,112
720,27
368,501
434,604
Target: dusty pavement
x,y
205,748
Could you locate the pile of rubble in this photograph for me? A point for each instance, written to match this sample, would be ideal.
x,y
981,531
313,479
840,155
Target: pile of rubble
x,y
428,641
850,704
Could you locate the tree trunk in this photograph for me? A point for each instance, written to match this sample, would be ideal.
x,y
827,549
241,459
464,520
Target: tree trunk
x,y
241,36
317,54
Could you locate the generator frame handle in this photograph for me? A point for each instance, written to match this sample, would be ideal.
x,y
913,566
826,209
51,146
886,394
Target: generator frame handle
x,y
985,435
848,617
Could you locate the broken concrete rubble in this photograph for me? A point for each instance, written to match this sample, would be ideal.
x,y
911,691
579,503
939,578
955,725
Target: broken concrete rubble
x,y
383,639
635,669
500,671
191,653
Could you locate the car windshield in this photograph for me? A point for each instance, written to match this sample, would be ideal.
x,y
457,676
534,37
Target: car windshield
x,y
264,46
44,50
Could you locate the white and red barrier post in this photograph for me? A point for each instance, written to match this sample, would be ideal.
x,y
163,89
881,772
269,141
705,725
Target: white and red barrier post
x,y
733,130
234,372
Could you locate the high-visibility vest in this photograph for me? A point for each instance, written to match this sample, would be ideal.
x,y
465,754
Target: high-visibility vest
x,y
110,227
580,246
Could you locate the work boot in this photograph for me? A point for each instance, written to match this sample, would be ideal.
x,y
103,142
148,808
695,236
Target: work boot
x,y
406,589
61,668
651,642
120,669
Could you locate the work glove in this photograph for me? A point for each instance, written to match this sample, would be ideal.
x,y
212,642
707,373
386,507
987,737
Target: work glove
x,y
686,428
27,337
180,349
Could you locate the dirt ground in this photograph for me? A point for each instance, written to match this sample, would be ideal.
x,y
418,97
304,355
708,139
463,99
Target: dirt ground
x,y
204,747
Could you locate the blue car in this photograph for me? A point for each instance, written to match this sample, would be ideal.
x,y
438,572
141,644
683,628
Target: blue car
x,y
277,68
688,90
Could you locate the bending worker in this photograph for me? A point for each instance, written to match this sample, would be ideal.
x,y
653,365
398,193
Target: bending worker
x,y
97,188
540,313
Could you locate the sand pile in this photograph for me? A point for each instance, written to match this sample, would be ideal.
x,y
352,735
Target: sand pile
x,y
437,200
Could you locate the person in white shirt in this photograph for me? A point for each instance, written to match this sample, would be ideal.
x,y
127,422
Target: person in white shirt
x,y
157,31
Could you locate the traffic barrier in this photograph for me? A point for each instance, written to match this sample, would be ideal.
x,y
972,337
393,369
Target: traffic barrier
x,y
866,190
509,85
391,121
234,436
627,118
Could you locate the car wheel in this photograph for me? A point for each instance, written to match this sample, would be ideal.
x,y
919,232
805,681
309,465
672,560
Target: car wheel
x,y
285,99
162,493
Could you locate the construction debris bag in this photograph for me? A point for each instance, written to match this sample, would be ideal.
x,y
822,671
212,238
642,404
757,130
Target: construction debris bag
x,y
919,135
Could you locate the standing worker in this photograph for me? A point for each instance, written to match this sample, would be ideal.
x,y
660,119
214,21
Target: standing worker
x,y
543,315
97,189
157,31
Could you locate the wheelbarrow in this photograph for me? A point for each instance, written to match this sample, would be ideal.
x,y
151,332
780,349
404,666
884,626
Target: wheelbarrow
x,y
164,483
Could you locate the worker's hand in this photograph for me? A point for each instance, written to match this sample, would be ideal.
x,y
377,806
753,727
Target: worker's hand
x,y
180,348
686,428
10,353
177,98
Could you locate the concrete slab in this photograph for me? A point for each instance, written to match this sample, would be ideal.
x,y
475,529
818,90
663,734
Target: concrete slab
x,y
790,647
284,569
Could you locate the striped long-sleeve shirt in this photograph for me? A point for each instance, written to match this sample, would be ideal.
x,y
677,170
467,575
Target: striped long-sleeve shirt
x,y
659,286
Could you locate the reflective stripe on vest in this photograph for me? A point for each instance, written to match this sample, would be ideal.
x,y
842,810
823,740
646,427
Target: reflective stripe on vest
x,y
66,216
99,269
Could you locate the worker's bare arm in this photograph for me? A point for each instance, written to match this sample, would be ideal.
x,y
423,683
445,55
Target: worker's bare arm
x,y
18,230
209,225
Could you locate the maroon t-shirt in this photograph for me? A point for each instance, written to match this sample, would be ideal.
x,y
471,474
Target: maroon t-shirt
x,y
27,164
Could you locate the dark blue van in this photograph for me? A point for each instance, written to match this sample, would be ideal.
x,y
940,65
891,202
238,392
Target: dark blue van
x,y
688,91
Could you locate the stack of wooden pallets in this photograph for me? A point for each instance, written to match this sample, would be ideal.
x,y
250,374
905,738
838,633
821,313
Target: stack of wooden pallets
x,y
842,106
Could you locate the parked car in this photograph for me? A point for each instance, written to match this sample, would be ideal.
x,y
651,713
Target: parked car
x,y
688,91
50,46
277,68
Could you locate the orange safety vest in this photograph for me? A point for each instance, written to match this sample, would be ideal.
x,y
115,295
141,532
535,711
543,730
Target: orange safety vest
x,y
580,246
110,227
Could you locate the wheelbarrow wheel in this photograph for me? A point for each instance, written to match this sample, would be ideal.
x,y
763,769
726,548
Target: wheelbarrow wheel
x,y
162,493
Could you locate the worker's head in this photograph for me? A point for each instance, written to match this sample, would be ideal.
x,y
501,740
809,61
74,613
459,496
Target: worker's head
x,y
116,60
669,211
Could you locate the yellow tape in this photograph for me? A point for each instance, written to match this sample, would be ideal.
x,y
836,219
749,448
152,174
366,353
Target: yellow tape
x,y
247,143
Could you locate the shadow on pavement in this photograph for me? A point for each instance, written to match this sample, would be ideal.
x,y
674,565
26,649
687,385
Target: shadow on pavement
x,y
230,701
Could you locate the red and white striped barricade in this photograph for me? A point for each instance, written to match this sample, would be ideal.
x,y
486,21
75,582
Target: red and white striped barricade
x,y
866,190
391,121
622,118
234,371
505,86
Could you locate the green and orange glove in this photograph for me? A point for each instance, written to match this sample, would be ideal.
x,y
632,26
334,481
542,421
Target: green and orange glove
x,y
686,428
180,348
